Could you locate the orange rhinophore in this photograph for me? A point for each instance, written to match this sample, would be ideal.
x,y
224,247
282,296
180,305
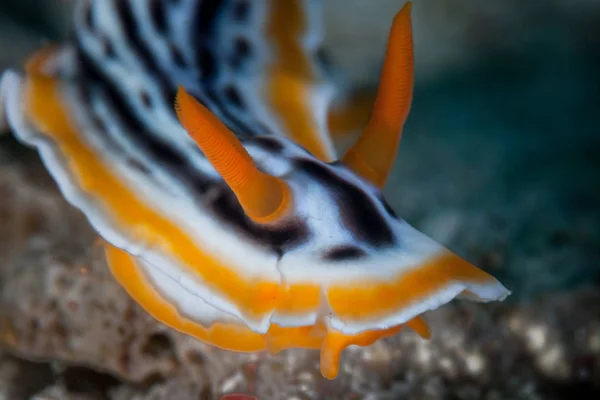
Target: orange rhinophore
x,y
263,197
374,153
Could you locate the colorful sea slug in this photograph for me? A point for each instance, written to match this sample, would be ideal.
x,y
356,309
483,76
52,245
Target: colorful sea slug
x,y
193,135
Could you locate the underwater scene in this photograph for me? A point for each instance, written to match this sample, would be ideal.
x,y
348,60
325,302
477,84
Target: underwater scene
x,y
299,199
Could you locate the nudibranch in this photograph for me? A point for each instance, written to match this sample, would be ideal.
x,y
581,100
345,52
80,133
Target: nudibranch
x,y
193,135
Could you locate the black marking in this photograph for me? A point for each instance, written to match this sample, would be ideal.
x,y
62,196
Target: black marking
x,y
279,238
358,212
241,52
322,58
135,164
138,43
208,14
233,96
241,11
158,16
206,64
177,57
145,99
107,47
344,253
88,17
387,207
323,61
162,152
269,143
83,97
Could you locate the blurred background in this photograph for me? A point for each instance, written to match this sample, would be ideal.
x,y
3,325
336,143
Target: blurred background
x,y
500,160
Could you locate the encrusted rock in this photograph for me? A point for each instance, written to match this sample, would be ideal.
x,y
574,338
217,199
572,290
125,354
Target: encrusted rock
x,y
59,302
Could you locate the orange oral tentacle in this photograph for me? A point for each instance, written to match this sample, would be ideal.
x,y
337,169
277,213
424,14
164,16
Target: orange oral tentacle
x,y
335,342
419,325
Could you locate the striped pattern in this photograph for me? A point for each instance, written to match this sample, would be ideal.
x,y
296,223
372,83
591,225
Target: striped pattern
x,y
342,269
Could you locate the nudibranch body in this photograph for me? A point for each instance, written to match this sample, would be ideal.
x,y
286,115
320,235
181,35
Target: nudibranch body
x,y
193,135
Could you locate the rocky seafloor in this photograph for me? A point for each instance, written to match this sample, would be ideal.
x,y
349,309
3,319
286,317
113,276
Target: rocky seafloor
x,y
499,161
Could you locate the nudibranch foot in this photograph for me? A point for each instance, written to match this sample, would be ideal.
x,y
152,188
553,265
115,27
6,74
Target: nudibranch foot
x,y
220,329
225,332
335,342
